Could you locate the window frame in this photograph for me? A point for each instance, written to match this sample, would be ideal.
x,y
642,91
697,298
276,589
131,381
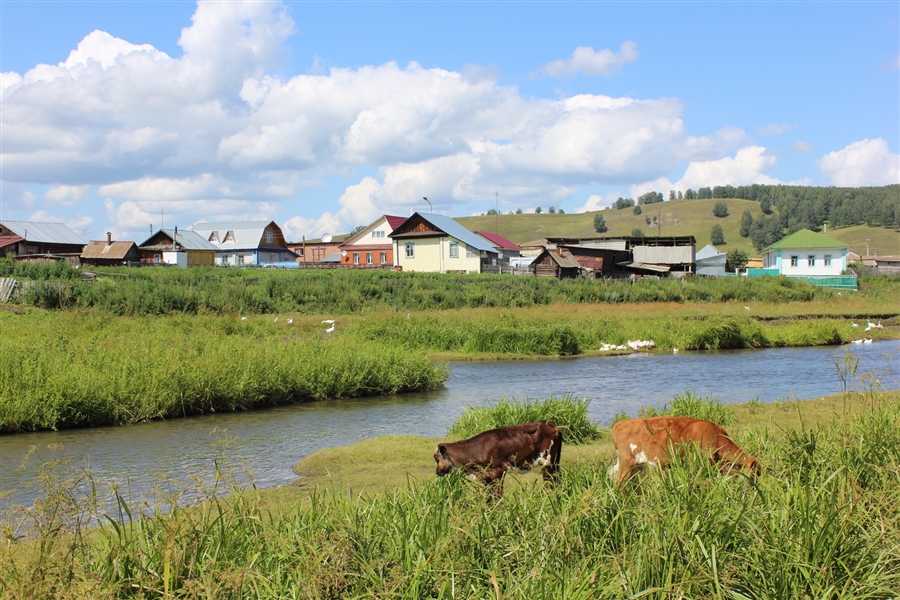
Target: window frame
x,y
795,260
810,260
454,249
410,250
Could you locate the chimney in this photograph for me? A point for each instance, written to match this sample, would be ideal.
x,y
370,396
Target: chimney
x,y
108,238
175,239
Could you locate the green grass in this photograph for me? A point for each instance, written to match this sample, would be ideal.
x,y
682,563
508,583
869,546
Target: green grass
x,y
569,413
823,521
680,217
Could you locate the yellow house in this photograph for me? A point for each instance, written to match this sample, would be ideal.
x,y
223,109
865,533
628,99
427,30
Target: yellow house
x,y
437,244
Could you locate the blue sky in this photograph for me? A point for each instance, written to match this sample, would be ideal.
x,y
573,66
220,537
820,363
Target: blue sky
x,y
324,115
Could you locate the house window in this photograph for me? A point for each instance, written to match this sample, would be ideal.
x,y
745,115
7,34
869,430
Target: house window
x,y
229,237
377,234
795,260
811,260
827,260
471,252
410,249
157,258
454,249
240,258
384,258
213,237
269,237
356,258
369,258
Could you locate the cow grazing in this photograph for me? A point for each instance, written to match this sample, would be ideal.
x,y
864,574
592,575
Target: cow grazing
x,y
649,442
489,455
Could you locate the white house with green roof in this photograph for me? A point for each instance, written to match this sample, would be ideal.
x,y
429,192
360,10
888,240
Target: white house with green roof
x,y
806,254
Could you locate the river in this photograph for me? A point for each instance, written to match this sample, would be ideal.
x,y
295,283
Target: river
x,y
150,461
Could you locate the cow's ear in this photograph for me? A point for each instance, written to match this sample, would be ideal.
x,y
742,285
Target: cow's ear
x,y
442,449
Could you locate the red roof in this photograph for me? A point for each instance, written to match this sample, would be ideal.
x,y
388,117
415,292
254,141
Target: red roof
x,y
498,240
8,240
394,222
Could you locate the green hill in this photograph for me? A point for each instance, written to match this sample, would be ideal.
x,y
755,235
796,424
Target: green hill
x,y
679,217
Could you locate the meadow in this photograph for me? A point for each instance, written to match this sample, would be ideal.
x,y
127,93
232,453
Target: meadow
x,y
823,521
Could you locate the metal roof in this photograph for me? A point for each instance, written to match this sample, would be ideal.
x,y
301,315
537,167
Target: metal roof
x,y
455,230
708,251
499,241
805,238
46,233
245,235
187,240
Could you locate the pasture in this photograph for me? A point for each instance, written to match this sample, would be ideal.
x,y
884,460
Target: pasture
x,y
374,521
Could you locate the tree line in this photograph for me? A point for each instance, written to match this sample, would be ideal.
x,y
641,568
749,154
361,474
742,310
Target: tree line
x,y
798,207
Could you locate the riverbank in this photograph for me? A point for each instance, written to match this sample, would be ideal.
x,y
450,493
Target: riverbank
x,y
80,368
823,520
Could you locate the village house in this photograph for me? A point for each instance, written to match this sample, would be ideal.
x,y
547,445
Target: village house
x,y
810,256
438,244
251,243
183,248
323,251
371,247
29,240
109,253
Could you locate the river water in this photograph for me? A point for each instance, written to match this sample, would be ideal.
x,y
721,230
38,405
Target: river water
x,y
149,461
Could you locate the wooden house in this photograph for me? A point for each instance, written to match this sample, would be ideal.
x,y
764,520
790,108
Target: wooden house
x,y
438,244
39,240
177,248
110,253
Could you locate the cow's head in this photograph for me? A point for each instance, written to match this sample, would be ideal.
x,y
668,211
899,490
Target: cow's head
x,y
751,467
445,464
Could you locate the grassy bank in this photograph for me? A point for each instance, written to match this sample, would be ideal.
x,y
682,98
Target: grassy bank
x,y
79,368
225,291
822,521
63,369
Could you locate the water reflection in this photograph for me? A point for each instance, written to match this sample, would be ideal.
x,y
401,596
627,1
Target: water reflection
x,y
160,458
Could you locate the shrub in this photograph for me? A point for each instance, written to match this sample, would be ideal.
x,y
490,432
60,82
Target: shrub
x,y
568,412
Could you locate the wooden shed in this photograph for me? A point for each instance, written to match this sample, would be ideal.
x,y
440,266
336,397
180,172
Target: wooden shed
x,y
109,253
557,263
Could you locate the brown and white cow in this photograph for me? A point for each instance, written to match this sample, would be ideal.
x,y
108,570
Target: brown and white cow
x,y
489,455
649,442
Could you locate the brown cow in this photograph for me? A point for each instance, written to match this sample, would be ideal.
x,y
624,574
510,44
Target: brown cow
x,y
648,442
489,455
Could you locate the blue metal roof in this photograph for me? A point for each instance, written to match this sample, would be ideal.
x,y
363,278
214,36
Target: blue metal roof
x,y
454,229
46,233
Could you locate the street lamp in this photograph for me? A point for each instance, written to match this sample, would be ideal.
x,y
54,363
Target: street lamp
x,y
429,203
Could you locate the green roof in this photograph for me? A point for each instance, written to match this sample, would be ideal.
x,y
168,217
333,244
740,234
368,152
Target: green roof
x,y
806,239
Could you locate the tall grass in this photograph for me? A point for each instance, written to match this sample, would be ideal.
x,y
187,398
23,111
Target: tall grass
x,y
812,529
58,372
347,291
568,412
688,404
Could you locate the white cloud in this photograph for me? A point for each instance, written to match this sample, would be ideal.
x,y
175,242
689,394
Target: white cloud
x,y
749,165
594,63
863,163
67,195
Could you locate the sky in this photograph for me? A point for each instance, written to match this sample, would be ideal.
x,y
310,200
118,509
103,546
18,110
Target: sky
x,y
129,116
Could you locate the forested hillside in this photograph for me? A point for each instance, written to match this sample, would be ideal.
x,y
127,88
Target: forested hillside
x,y
752,217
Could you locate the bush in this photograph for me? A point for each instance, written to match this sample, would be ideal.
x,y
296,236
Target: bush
x,y
688,404
720,209
568,412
